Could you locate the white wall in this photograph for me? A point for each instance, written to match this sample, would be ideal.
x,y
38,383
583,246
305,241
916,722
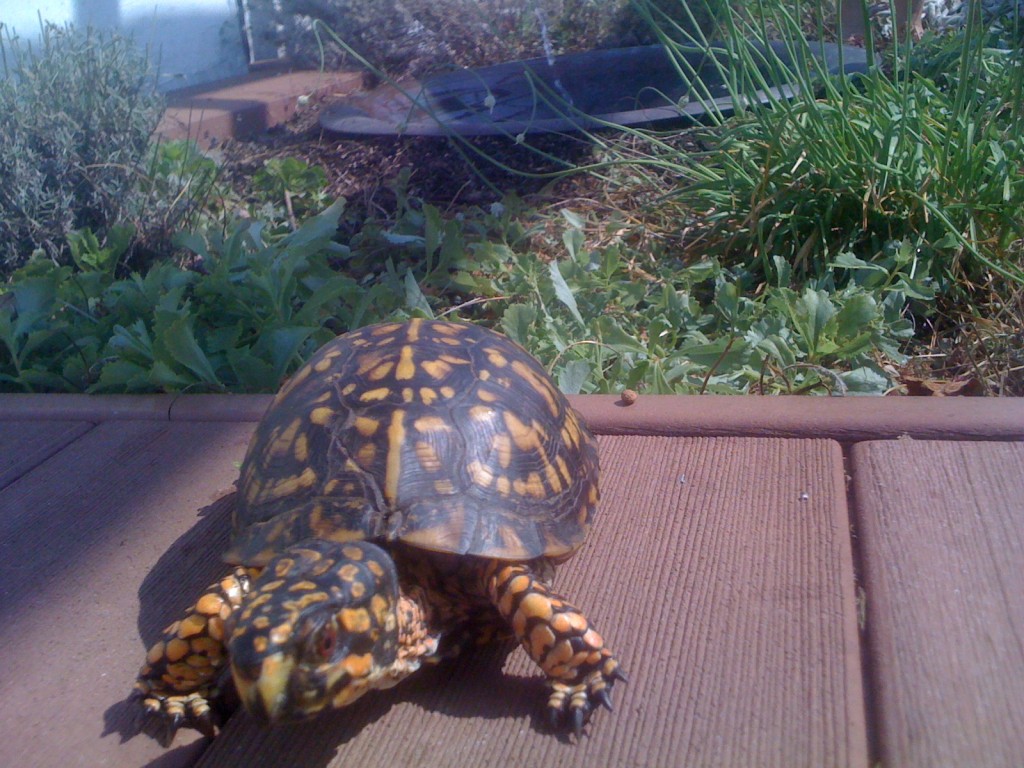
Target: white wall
x,y
192,41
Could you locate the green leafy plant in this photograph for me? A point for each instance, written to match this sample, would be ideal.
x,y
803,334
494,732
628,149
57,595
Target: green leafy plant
x,y
76,116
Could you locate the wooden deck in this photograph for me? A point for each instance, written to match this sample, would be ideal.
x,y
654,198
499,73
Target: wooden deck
x,y
788,581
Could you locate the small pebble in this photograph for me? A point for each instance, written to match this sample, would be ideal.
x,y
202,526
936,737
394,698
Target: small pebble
x,y
629,396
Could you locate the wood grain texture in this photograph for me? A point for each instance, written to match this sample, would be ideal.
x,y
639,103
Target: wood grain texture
x,y
83,537
721,572
26,444
941,531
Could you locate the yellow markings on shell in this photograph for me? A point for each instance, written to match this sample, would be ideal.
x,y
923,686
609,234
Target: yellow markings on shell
x,y
348,572
324,364
281,443
382,370
484,375
260,644
358,665
486,396
406,367
481,413
366,454
374,395
355,619
540,383
413,329
366,426
393,467
358,589
431,424
387,328
301,586
531,486
191,625
436,369
408,395
349,388
523,435
480,474
427,456
321,416
503,485
297,378
502,445
444,487
428,395
260,622
447,392
554,481
290,485
495,358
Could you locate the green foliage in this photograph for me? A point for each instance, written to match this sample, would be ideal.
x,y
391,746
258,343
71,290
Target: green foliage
x,y
863,166
75,120
604,322
242,321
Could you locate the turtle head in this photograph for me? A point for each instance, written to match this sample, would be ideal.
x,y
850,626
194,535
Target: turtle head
x,y
318,629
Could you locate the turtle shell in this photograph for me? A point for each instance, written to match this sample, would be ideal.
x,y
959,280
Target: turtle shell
x,y
445,436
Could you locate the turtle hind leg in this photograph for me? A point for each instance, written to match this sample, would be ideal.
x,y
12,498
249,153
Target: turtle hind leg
x,y
182,669
580,670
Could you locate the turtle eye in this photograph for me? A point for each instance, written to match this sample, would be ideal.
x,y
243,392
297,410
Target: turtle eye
x,y
326,642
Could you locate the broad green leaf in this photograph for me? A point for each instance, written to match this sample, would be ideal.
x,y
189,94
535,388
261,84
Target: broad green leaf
x,y
415,301
563,292
517,321
859,311
573,376
178,339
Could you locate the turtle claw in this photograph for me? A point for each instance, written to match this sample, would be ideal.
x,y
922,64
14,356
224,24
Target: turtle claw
x,y
571,705
604,698
164,715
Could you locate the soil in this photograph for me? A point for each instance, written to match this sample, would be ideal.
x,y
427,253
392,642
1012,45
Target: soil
x,y
444,173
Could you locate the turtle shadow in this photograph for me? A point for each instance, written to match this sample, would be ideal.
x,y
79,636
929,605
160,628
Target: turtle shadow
x,y
472,685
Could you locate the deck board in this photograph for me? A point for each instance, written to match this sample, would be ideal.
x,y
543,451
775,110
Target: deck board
x,y
24,445
715,592
941,528
79,536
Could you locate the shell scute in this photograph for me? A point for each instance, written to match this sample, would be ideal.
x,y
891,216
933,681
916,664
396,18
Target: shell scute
x,y
393,433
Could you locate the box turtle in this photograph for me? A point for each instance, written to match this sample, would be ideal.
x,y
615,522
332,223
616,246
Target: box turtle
x,y
406,495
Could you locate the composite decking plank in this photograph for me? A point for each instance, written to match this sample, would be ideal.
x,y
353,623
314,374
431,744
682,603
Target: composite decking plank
x,y
941,532
719,569
26,444
107,521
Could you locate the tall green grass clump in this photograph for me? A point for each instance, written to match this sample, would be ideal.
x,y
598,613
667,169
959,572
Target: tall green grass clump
x,y
920,156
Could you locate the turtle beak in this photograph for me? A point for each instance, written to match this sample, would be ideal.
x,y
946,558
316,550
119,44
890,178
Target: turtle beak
x,y
263,689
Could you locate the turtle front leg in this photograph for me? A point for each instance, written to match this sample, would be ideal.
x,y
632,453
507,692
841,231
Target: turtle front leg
x,y
179,678
580,669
